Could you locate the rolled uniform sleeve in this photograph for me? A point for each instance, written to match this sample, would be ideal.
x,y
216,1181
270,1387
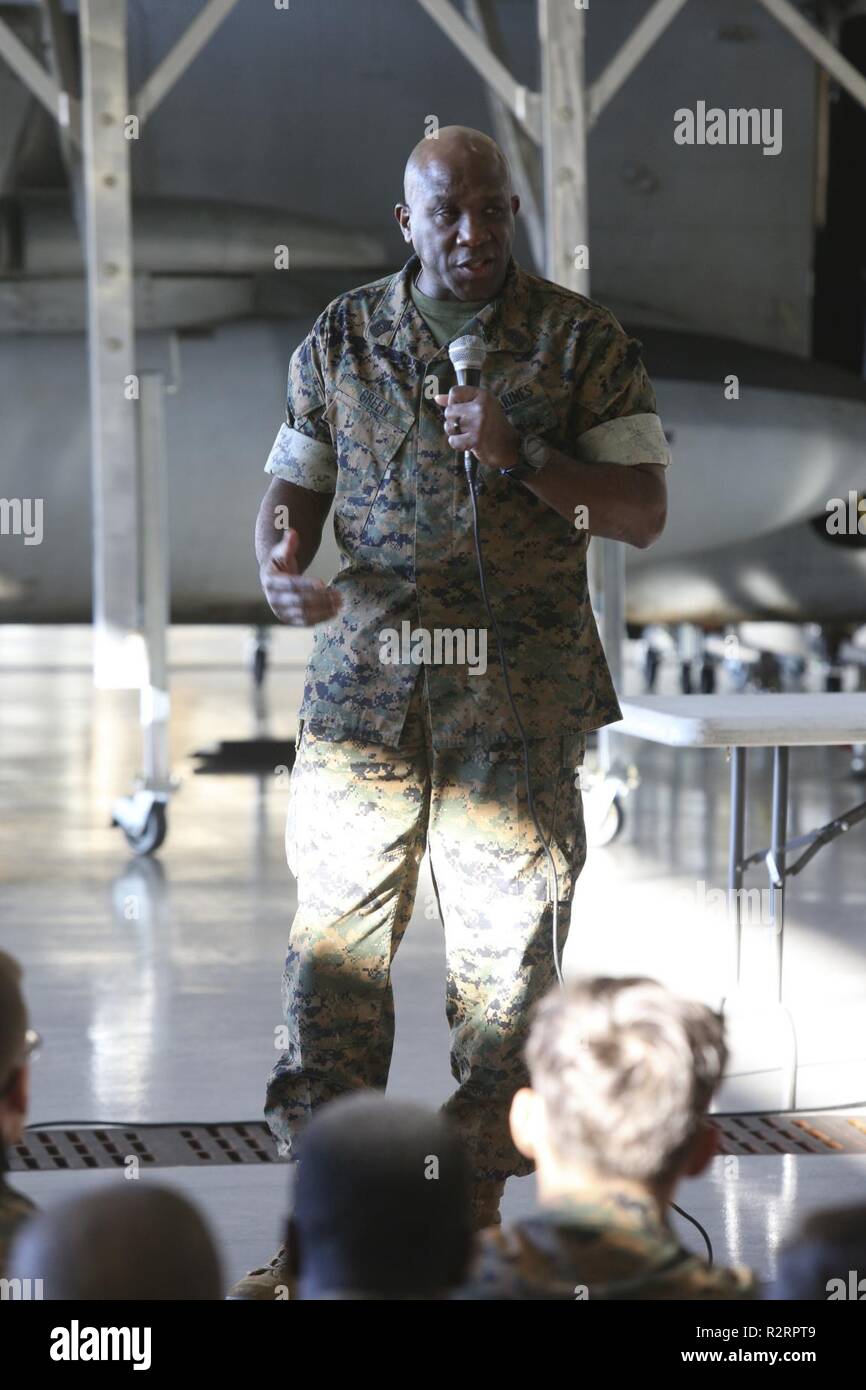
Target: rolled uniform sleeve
x,y
303,451
614,417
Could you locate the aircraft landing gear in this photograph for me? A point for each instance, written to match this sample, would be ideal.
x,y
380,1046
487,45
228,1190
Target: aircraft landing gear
x,y
651,663
708,676
261,648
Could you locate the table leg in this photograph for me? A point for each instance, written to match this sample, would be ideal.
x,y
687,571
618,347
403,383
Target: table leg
x,y
776,868
736,852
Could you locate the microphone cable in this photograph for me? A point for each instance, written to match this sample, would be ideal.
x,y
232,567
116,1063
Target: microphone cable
x,y
469,465
695,1222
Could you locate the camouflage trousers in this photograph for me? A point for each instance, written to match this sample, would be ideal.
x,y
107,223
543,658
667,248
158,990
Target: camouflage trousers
x,y
360,817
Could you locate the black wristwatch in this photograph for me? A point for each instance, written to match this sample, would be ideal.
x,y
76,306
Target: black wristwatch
x,y
533,455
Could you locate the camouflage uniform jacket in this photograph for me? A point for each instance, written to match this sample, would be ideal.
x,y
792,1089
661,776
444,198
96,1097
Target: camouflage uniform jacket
x,y
610,1246
15,1208
362,425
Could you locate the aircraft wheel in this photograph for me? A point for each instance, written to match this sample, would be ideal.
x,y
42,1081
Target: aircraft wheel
x,y
708,678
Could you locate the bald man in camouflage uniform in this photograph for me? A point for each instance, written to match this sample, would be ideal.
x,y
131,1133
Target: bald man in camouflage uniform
x,y
397,758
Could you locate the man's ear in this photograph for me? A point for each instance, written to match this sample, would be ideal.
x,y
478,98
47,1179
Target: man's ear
x,y
403,216
523,1119
703,1150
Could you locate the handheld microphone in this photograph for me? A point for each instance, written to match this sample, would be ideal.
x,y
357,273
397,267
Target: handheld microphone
x,y
467,358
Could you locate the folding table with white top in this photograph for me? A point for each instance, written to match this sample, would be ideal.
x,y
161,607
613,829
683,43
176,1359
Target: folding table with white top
x,y
740,722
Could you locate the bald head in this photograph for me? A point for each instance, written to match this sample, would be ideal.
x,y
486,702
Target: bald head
x,y
448,152
458,213
132,1241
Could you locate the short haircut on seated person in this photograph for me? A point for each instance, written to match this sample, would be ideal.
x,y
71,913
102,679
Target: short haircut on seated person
x,y
626,1070
817,1261
131,1241
382,1202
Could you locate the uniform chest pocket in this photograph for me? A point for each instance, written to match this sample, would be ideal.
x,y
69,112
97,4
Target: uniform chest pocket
x,y
368,432
527,406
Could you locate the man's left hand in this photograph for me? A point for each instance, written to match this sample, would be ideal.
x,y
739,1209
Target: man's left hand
x,y
475,421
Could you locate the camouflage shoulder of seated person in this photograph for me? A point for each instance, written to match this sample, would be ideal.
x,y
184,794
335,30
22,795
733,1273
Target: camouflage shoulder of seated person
x,y
15,1209
534,1259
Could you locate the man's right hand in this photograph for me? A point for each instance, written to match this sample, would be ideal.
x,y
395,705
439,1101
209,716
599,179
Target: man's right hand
x,y
297,601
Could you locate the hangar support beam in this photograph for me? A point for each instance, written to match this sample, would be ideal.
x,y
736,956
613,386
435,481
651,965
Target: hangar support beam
x,y
33,74
119,577
519,149
821,49
523,104
111,343
178,59
633,51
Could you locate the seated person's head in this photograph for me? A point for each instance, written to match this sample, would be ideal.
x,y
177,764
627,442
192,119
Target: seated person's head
x,y
382,1202
128,1241
621,1077
14,1046
826,1258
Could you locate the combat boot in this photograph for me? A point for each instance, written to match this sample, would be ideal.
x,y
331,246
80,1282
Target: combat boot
x,y
486,1197
274,1282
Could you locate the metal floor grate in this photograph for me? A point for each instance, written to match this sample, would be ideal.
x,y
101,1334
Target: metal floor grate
x,y
154,1146
199,1146
791,1134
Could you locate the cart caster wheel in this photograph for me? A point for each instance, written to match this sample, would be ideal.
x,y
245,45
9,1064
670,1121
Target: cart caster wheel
x,y
604,832
149,839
